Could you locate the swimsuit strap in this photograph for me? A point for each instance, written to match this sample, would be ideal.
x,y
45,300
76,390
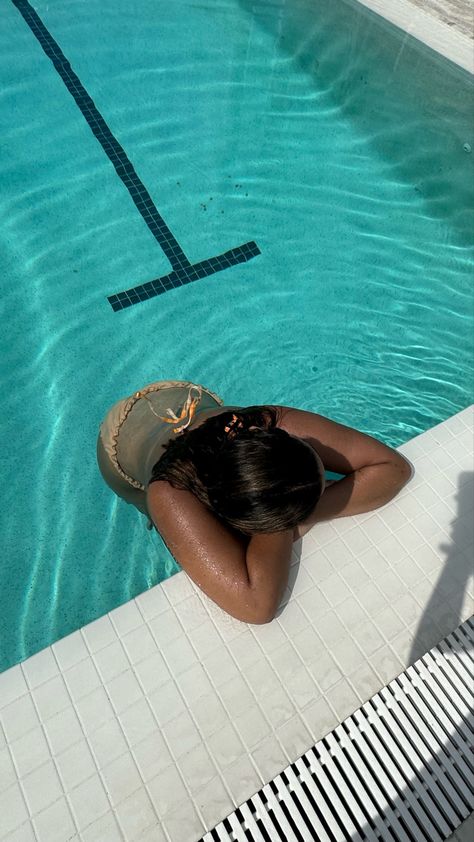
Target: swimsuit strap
x,y
187,414
188,409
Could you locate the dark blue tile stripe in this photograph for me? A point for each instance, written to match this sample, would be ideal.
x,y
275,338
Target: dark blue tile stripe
x,y
113,150
183,276
183,271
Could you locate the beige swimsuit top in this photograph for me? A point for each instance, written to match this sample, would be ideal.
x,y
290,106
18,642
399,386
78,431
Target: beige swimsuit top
x,y
136,428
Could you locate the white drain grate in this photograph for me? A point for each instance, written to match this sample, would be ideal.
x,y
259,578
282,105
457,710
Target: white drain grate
x,y
400,768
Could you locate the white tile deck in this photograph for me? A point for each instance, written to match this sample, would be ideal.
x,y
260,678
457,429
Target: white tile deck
x,y
157,720
446,26
458,14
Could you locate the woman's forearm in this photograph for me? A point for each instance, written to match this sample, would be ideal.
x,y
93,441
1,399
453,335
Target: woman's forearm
x,y
366,489
268,560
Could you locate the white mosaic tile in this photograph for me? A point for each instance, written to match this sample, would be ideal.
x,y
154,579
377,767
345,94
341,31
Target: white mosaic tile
x,y
29,751
123,690
136,817
125,618
39,668
347,655
51,698
121,778
154,722
213,802
225,745
151,603
279,707
94,710
386,664
197,768
167,790
18,718
320,718
41,787
55,823
181,735
152,672
177,589
81,679
63,730
106,829
111,661
13,811
180,655
193,683
152,756
25,833
236,696
165,628
343,698
268,757
88,802
75,765
12,685
137,722
293,735
139,644
8,772
205,639
269,636
166,703
209,714
183,820
70,650
107,742
252,726
99,634
241,779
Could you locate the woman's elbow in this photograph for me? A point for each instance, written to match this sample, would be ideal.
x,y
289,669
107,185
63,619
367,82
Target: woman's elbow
x,y
258,614
405,470
263,617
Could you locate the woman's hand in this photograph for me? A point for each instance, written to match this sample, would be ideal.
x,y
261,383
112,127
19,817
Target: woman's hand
x,y
365,489
374,473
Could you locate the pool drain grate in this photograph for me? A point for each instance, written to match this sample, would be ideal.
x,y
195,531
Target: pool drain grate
x,y
400,768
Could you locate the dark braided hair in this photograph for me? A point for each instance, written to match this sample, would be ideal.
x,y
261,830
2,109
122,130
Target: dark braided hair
x,y
249,472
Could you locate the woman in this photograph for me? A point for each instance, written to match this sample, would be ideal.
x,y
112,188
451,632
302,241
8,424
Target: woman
x,y
231,488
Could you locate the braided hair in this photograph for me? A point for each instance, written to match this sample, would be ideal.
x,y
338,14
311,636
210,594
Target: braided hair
x,y
250,473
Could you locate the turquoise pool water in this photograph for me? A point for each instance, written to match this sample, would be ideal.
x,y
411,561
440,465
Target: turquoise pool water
x,y
336,143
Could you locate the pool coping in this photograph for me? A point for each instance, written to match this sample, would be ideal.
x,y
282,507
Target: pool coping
x,y
157,720
427,28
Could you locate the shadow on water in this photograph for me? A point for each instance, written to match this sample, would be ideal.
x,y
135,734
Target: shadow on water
x,y
444,609
411,105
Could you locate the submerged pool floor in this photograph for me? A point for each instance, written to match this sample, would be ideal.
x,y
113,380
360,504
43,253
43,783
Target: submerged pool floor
x,y
343,152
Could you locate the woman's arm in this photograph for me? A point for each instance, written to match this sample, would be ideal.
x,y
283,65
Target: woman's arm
x,y
244,576
374,473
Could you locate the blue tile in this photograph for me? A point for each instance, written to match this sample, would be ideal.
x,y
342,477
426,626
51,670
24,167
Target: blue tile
x,y
183,271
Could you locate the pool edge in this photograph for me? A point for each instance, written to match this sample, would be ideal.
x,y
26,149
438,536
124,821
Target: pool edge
x,y
147,724
427,28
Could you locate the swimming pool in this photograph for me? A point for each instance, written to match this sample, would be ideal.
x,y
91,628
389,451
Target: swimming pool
x,y
340,147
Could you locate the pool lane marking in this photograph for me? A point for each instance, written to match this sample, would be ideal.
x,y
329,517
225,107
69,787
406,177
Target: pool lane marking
x,y
179,277
183,271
